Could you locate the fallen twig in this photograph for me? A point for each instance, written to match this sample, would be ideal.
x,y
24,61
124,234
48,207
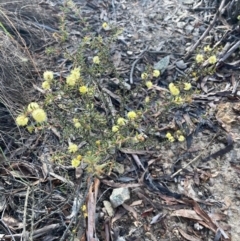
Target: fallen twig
x,y
134,63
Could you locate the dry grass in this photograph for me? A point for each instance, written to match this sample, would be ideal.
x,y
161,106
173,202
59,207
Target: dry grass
x,y
23,30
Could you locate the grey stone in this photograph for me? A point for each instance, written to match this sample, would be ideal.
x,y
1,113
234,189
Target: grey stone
x,y
187,1
119,196
189,28
181,65
121,239
180,24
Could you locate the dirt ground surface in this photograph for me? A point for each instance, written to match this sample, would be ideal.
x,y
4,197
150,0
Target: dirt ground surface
x,y
178,191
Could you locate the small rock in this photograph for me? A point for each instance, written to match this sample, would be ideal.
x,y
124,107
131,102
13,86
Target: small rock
x,y
129,52
152,15
197,226
187,1
180,24
189,29
181,65
108,208
121,239
119,196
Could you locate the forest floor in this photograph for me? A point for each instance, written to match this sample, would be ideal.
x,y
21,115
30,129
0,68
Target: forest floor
x,y
175,189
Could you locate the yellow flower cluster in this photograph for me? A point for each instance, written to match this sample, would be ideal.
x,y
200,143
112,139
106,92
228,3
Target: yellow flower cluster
x,y
84,210
178,134
199,58
156,73
181,138
147,99
83,89
48,77
187,86
38,114
121,121
76,161
73,77
132,115
96,60
178,100
170,137
22,120
149,84
98,142
76,122
207,48
173,89
144,75
46,85
105,26
115,128
32,106
72,148
212,59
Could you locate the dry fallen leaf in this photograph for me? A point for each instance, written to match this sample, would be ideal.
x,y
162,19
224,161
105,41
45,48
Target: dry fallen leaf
x,y
187,236
186,213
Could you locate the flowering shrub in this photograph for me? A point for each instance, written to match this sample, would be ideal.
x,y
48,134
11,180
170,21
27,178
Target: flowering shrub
x,y
96,116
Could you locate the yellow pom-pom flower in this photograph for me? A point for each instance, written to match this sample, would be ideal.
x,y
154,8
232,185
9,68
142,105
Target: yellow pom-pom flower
x,y
22,120
207,48
77,125
98,142
156,73
48,76
83,89
32,106
75,162
39,115
199,58
149,84
75,73
212,59
45,85
173,89
84,210
144,75
170,137
79,157
181,138
131,115
147,99
187,86
75,120
96,60
115,128
72,148
71,80
121,121
105,26
178,100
